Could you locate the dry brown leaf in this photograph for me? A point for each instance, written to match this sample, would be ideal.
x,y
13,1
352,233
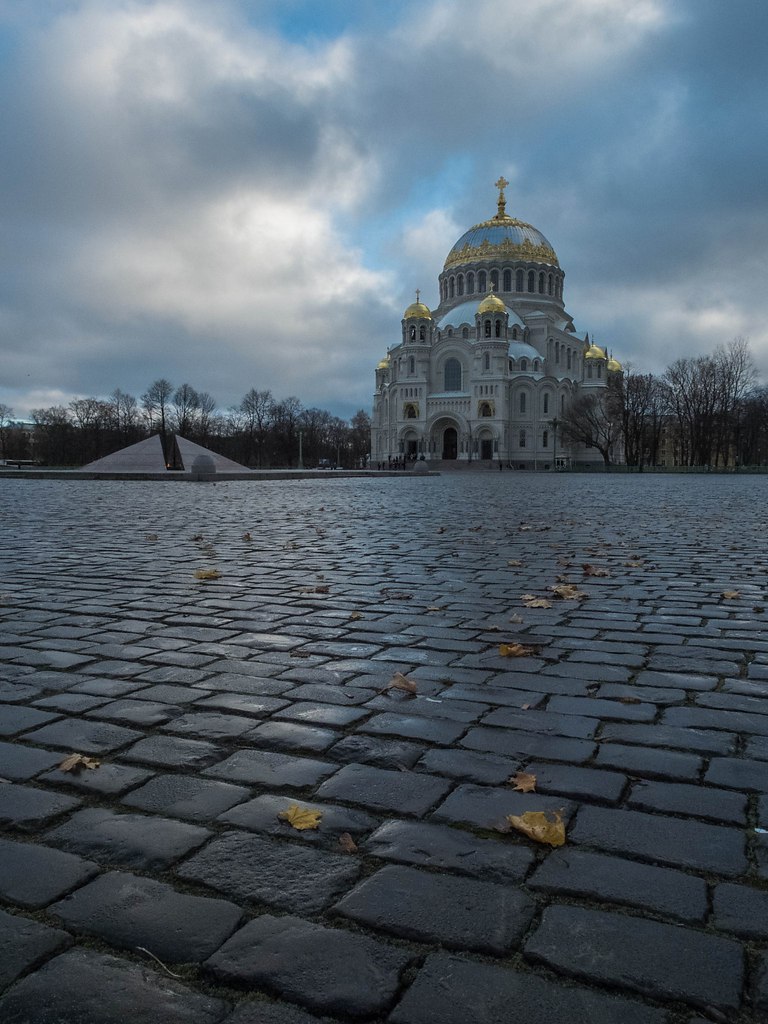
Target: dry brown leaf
x,y
401,682
75,762
542,826
247,537
299,654
630,700
730,595
531,601
441,529
207,574
523,782
515,563
517,650
356,615
634,564
436,608
197,536
524,528
516,618
347,844
474,529
568,592
594,570
301,818
150,537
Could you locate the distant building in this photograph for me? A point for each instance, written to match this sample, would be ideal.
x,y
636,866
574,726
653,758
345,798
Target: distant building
x,y
488,372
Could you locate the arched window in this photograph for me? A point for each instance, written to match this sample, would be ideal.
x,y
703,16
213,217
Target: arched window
x,y
481,285
460,284
452,286
523,364
412,333
562,403
452,375
589,370
498,328
487,361
514,334
519,280
522,439
545,408
470,282
486,409
568,354
411,365
450,332
541,283
522,401
495,280
507,280
531,281
465,332
550,283
422,333
545,439
535,365
599,370
487,328
557,352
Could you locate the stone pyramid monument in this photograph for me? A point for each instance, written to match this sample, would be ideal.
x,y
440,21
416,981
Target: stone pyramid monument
x,y
142,457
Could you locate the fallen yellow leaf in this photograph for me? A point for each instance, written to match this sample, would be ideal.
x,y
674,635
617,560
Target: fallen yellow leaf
x,y
401,682
594,570
531,601
568,592
517,650
356,615
301,818
730,595
75,762
347,844
541,826
514,562
207,574
247,537
523,782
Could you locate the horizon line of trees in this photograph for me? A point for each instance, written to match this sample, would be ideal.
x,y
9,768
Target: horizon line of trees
x,y
711,410
260,431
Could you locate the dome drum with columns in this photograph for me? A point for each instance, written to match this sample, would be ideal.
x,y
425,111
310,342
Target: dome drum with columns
x,y
486,374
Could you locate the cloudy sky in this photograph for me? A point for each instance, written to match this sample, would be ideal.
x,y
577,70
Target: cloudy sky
x,y
245,193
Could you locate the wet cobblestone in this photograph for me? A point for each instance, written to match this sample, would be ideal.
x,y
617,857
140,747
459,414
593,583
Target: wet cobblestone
x,y
212,707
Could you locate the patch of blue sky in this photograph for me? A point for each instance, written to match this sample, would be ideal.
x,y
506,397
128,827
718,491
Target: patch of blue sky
x,y
306,20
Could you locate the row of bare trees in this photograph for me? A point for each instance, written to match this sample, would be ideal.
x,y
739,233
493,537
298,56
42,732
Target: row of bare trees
x,y
707,411
261,431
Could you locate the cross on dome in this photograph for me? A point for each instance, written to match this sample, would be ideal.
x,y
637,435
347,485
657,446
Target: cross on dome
x,y
501,184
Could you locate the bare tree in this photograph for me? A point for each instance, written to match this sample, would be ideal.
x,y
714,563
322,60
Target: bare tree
x,y
6,422
186,403
594,419
206,406
155,402
256,408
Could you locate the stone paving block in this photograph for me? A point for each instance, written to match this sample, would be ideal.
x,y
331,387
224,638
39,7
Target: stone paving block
x,y
281,874
662,839
241,703
760,984
321,714
438,846
270,768
605,709
595,876
109,779
468,766
33,876
85,737
698,740
186,796
524,745
414,727
213,725
658,960
715,718
244,685
682,680
547,722
689,801
650,694
70,703
665,764
450,990
130,840
15,719
326,693
28,809
167,693
459,913
259,1011
756,748
108,687
395,701
132,711
325,969
741,910
24,944
511,696
90,988
20,763
261,815
487,807
402,792
580,783
127,911
732,702
382,753
738,773
172,752
291,736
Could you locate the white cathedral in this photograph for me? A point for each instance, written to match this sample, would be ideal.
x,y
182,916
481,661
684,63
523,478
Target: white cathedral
x,y
486,375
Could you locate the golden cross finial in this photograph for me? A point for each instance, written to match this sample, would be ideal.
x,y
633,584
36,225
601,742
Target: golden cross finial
x,y
418,293
501,184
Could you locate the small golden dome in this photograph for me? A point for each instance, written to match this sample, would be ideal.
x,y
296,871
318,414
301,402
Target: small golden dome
x,y
384,364
417,310
593,352
491,304
614,366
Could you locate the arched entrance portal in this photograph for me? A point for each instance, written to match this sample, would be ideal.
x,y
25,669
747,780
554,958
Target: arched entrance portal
x,y
450,443
486,448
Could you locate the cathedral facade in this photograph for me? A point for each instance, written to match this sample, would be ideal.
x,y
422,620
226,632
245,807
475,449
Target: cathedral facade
x,y
487,375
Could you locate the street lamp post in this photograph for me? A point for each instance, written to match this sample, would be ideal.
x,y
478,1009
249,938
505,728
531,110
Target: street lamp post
x,y
301,452
555,422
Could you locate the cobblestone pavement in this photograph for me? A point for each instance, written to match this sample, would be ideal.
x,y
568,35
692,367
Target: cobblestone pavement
x,y
162,887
